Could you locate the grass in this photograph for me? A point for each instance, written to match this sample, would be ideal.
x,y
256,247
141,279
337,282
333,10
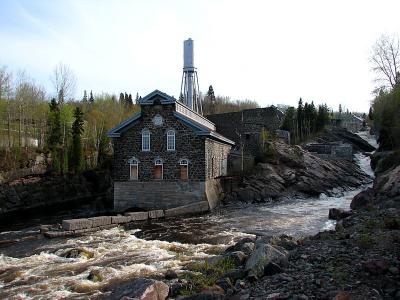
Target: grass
x,y
206,274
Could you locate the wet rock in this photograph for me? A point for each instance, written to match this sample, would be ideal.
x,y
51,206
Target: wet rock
x,y
140,289
203,296
375,267
262,256
236,274
95,275
245,245
238,257
337,214
78,253
272,269
225,283
170,274
362,199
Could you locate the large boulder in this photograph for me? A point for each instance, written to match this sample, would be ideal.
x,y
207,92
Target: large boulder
x,y
362,199
338,214
262,256
140,289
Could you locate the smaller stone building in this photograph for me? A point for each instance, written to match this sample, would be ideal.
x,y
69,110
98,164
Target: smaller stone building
x,y
166,156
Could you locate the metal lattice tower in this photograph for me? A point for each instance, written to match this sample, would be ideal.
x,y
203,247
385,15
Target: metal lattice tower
x,y
190,83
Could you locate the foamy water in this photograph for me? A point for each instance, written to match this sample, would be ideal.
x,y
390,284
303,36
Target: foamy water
x,y
37,270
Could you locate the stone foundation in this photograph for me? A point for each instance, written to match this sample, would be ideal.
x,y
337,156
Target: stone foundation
x,y
162,195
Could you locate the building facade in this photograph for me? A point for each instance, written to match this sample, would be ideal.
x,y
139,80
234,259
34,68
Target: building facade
x,y
166,156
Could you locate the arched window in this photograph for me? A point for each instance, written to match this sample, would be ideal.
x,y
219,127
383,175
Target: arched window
x,y
184,163
158,169
145,140
133,169
170,140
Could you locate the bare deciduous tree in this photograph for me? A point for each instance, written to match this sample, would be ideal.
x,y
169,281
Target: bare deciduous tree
x,y
5,83
64,81
386,61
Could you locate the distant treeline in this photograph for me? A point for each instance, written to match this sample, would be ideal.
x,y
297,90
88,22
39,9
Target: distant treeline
x,y
220,104
74,131
305,120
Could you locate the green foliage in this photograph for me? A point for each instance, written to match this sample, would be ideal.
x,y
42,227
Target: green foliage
x,y
305,120
54,126
77,152
386,118
206,274
219,104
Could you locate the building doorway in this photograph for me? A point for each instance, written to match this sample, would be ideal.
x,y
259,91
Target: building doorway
x,y
158,169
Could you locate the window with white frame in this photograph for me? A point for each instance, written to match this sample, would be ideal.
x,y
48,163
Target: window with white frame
x,y
171,140
184,163
145,140
133,169
158,169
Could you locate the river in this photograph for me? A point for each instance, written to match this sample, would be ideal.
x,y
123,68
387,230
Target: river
x,y
33,267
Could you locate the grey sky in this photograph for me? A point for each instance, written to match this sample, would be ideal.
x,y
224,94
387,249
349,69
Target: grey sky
x,y
269,51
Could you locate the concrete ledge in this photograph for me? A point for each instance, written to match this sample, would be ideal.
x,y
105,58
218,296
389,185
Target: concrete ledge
x,y
197,207
76,224
156,214
100,221
120,219
138,216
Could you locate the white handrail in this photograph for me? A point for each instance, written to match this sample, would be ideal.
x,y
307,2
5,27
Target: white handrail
x,y
183,109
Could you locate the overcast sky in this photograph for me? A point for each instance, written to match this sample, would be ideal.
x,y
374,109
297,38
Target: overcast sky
x,y
269,51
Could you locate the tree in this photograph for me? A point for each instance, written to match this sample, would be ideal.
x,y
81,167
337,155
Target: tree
x,y
84,99
121,98
64,82
300,119
385,60
137,98
130,101
5,83
76,162
340,110
91,98
289,120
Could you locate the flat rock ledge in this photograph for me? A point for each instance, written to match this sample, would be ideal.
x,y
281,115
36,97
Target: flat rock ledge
x,y
75,227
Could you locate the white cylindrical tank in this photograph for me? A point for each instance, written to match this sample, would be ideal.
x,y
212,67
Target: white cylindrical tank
x,y
188,55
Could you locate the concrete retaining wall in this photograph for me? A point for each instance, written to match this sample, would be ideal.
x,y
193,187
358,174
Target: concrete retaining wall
x,y
163,195
75,227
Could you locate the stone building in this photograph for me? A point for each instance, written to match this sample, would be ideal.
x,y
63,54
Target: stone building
x,y
245,129
166,156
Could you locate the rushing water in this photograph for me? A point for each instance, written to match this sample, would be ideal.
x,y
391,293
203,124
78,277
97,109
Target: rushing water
x,y
33,267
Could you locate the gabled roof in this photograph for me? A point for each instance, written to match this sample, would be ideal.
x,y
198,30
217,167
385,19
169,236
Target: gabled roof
x,y
185,115
116,131
203,131
157,95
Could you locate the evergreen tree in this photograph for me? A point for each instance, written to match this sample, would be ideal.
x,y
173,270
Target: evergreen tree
x,y
84,99
91,99
121,98
130,101
54,136
54,121
76,162
288,121
300,119
137,98
322,117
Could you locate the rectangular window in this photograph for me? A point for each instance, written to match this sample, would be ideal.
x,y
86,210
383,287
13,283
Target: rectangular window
x,y
146,141
134,172
170,140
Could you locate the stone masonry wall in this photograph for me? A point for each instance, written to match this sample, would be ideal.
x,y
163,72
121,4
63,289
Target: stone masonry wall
x,y
187,144
245,126
216,158
156,194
